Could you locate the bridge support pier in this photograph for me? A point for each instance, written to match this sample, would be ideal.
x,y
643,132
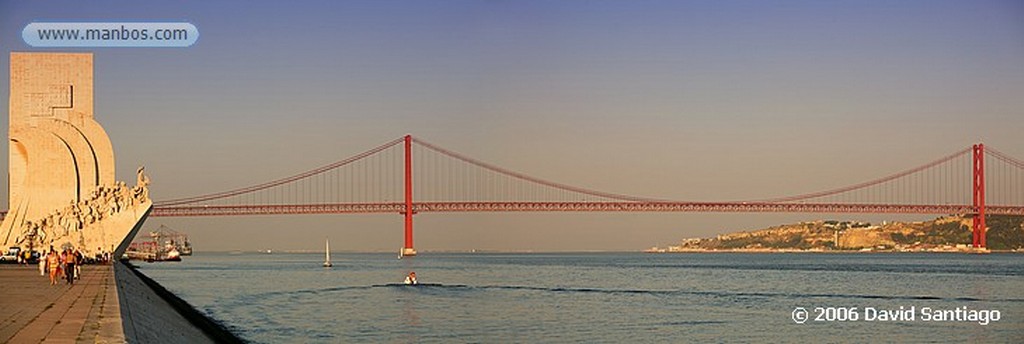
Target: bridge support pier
x,y
408,249
978,169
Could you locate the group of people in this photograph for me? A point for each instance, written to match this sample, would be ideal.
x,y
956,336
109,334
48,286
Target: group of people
x,y
66,265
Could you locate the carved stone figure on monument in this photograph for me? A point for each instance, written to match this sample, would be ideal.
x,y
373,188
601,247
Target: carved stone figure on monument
x,y
85,211
101,208
76,218
90,214
116,202
33,229
113,208
141,179
62,221
142,184
94,209
125,194
26,229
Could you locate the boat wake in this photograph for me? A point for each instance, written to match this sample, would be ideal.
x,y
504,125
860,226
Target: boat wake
x,y
577,290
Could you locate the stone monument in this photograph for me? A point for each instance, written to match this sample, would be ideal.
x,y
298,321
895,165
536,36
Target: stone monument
x,y
61,180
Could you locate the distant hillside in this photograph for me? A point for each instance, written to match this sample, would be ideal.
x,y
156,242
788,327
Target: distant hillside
x,y
941,234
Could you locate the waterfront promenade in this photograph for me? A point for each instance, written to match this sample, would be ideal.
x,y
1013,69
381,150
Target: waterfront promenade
x,y
32,311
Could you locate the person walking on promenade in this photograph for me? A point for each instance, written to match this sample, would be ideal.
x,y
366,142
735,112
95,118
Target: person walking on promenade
x,y
69,266
53,263
63,255
79,260
63,258
42,265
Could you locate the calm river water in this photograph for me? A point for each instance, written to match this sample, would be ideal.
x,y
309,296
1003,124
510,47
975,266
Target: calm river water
x,y
602,297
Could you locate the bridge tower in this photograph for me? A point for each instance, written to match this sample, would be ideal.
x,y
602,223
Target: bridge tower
x,y
408,249
978,170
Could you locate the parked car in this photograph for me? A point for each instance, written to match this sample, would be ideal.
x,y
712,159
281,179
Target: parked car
x,y
11,256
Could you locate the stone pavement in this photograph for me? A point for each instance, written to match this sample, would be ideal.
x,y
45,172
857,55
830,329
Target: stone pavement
x,y
32,311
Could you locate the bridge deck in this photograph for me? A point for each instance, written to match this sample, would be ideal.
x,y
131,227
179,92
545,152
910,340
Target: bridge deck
x,y
723,207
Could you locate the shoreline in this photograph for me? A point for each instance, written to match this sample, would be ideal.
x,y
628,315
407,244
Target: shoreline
x,y
834,251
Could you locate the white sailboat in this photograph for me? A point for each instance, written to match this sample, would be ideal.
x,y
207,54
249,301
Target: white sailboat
x,y
327,254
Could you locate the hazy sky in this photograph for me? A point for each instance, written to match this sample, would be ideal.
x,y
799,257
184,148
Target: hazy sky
x,y
697,100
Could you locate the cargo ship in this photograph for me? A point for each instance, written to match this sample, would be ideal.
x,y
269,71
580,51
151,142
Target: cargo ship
x,y
162,245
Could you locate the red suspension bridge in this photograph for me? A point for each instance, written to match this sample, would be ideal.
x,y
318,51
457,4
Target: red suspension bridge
x,y
975,181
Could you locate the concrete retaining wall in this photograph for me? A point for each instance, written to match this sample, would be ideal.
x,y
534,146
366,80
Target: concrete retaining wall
x,y
151,314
